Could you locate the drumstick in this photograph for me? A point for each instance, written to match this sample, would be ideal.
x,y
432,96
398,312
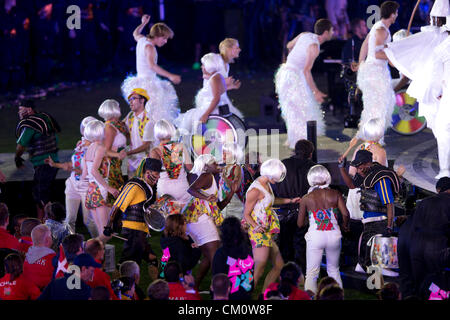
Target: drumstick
x,y
118,237
412,17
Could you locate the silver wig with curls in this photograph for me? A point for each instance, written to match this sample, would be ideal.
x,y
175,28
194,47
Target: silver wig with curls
x,y
109,109
164,130
318,175
84,123
200,163
373,130
94,131
273,169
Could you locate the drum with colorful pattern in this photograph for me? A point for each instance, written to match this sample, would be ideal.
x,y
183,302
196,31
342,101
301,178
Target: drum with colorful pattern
x,y
405,118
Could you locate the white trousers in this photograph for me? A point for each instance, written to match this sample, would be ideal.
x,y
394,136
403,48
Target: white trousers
x,y
316,243
75,196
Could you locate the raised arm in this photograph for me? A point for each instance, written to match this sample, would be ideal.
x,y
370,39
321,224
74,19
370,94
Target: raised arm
x,y
313,53
137,32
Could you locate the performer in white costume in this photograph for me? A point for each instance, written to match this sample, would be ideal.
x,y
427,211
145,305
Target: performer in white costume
x,y
229,50
298,95
413,58
374,78
210,97
163,102
441,128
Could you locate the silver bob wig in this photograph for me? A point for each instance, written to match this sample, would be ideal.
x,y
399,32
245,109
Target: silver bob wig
x,y
318,175
201,162
164,130
94,131
109,109
273,169
373,130
84,123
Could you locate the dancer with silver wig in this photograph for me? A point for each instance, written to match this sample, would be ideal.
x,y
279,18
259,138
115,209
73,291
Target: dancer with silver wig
x,y
208,99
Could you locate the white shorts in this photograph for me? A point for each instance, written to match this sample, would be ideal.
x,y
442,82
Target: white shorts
x,y
76,189
203,231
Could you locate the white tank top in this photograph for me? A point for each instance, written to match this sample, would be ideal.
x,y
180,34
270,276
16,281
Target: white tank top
x,y
297,57
142,65
266,202
120,141
372,48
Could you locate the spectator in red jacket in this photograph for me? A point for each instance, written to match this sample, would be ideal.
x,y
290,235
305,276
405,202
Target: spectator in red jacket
x,y
14,285
25,233
180,287
38,266
96,249
6,240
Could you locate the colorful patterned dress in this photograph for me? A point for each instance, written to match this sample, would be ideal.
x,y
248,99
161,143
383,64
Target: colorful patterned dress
x,y
264,216
96,195
173,180
115,178
196,207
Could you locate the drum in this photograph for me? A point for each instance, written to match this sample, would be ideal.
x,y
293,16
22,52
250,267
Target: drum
x,y
155,214
383,252
209,137
405,118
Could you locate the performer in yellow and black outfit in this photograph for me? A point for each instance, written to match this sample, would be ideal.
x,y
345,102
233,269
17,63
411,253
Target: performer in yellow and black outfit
x,y
130,202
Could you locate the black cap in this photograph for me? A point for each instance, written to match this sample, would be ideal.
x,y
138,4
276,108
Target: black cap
x,y
362,156
153,165
27,104
443,184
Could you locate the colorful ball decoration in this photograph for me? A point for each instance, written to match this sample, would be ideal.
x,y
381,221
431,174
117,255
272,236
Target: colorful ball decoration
x,y
405,118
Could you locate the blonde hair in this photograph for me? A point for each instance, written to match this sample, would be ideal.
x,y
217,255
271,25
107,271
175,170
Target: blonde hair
x,y
273,169
200,163
227,43
164,130
109,109
318,175
160,29
94,131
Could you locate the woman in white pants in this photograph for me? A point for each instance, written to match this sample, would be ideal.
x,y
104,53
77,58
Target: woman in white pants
x,y
76,187
322,203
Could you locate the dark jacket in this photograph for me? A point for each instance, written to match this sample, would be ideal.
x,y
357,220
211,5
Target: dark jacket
x,y
181,251
57,289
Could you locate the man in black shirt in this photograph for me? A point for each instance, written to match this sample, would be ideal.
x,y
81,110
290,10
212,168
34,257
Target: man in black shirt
x,y
292,242
350,51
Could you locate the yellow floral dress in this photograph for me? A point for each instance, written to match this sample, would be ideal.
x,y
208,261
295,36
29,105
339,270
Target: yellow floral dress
x,y
196,207
264,216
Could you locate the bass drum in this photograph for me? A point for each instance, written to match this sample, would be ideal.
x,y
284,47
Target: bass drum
x,y
405,118
209,137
